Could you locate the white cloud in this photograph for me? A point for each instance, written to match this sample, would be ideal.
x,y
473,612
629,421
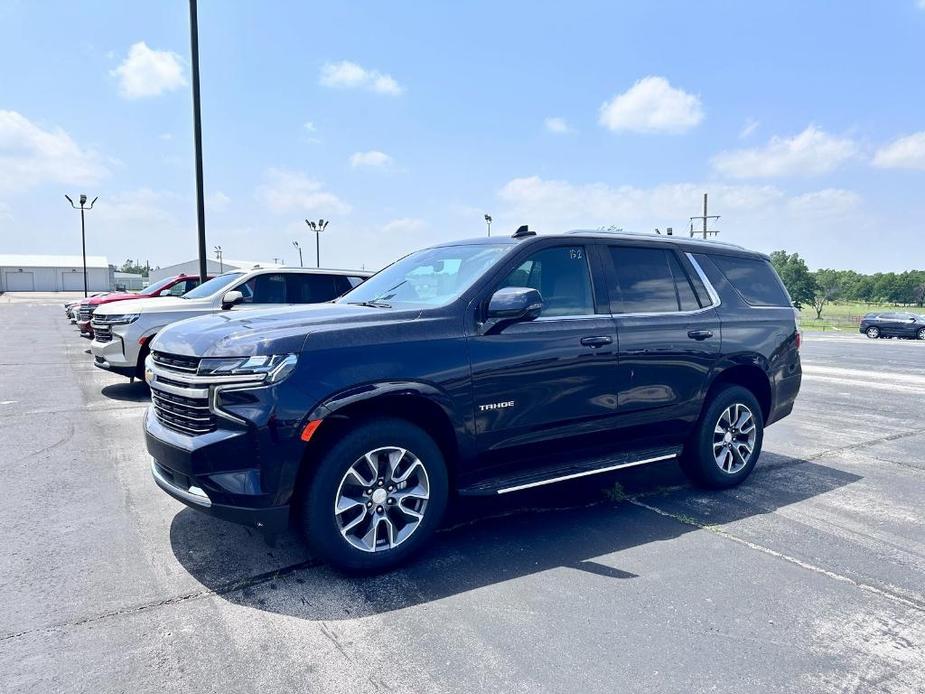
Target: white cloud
x,y
403,225
652,105
166,137
148,72
309,126
557,125
811,153
372,159
825,203
348,75
218,201
750,126
290,191
906,152
31,156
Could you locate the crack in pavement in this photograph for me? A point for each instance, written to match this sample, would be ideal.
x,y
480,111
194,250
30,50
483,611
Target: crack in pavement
x,y
717,530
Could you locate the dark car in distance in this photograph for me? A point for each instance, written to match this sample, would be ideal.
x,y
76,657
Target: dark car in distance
x,y
478,367
893,324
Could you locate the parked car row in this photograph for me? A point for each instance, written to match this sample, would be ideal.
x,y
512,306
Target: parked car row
x,y
478,367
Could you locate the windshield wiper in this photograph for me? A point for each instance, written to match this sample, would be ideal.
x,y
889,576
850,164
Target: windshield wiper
x,y
372,304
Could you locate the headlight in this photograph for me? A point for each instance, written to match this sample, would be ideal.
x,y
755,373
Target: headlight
x,y
118,318
276,367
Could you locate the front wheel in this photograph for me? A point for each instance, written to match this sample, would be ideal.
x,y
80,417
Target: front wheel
x,y
727,442
376,497
873,332
921,333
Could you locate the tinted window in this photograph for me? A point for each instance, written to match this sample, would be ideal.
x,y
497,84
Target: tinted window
x,y
686,294
562,278
314,289
264,289
754,278
644,278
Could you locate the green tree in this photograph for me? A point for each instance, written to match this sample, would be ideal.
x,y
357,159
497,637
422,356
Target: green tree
x,y
828,287
796,277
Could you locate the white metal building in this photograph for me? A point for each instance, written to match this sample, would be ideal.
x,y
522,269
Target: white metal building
x,y
53,273
191,267
128,281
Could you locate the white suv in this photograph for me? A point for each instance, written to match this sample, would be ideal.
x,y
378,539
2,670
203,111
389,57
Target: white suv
x,y
122,330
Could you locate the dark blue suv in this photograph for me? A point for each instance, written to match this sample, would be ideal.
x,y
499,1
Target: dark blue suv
x,y
476,367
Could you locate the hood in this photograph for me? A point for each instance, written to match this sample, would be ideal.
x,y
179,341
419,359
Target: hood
x,y
146,305
269,331
115,296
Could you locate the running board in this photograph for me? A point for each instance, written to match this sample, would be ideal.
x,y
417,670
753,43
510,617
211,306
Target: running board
x,y
560,473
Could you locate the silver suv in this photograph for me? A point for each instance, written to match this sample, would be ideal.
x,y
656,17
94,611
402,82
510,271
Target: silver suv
x,y
123,330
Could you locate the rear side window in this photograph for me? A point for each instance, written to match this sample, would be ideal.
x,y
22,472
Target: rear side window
x,y
651,280
304,288
754,279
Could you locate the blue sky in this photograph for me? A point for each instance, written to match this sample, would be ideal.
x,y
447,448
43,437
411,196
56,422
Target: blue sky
x,y
405,122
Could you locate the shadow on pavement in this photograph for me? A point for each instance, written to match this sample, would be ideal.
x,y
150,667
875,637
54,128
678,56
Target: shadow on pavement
x,y
127,392
486,541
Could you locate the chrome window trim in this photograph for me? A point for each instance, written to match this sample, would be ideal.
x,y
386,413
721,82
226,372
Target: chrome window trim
x,y
711,290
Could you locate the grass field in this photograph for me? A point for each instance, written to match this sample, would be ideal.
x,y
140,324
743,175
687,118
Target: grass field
x,y
845,316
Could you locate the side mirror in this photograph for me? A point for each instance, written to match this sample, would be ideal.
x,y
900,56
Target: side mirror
x,y
231,298
511,305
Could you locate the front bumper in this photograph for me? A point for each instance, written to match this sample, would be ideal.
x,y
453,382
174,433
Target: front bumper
x,y
116,355
207,472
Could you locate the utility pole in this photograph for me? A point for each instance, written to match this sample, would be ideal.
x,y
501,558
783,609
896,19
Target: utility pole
x,y
218,255
488,221
197,138
296,244
704,218
83,230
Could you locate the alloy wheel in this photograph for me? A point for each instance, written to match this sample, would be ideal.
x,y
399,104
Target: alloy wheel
x,y
873,332
922,334
382,499
734,438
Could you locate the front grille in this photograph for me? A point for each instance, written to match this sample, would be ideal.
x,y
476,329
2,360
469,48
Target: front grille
x,y
86,312
176,362
102,333
184,414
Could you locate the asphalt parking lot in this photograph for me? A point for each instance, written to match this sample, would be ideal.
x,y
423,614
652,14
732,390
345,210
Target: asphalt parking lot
x,y
809,577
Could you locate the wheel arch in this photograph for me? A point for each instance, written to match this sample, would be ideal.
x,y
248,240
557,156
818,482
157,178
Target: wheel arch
x,y
750,374
421,404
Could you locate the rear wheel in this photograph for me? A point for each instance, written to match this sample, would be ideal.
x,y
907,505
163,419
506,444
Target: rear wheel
x,y
873,332
376,497
726,445
921,333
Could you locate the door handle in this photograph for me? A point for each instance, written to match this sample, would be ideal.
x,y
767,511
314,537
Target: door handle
x,y
700,334
597,341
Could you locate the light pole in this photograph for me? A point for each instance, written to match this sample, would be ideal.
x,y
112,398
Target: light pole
x,y
488,222
83,229
218,255
318,227
296,244
197,137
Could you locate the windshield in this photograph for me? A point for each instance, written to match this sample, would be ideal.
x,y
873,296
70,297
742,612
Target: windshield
x,y
212,286
153,289
427,278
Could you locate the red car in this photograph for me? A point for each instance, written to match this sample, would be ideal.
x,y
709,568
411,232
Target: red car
x,y
169,286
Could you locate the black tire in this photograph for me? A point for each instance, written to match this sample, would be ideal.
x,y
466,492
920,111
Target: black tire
x,y
699,460
142,355
921,334
873,332
320,524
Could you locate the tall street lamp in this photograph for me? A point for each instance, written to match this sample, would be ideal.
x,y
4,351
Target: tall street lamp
x,y
318,227
218,256
296,244
488,222
197,138
83,229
